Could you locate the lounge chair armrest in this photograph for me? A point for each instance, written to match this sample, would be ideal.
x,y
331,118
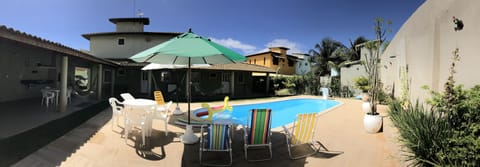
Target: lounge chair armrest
x,y
287,132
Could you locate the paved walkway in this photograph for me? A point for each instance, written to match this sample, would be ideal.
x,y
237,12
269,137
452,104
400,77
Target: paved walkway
x,y
341,129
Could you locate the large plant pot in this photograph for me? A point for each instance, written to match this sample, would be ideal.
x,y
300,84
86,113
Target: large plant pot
x,y
372,123
366,108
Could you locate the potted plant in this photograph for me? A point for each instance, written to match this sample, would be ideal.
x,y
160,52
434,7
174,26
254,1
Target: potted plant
x,y
373,121
363,84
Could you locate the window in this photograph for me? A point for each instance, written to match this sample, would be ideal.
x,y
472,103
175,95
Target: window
x,y
275,60
82,76
121,41
254,61
290,63
121,72
165,76
250,61
213,75
107,76
240,78
226,77
264,59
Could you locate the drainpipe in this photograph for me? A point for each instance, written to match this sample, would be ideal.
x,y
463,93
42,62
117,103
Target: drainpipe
x,y
63,84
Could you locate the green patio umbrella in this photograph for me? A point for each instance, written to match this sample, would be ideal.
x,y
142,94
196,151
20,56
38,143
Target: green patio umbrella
x,y
187,49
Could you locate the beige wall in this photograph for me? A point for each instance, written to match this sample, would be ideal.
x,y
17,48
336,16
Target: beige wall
x,y
129,27
348,76
107,46
425,44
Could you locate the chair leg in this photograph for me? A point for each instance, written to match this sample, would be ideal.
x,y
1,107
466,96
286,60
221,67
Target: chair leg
x,y
143,136
166,128
126,133
113,121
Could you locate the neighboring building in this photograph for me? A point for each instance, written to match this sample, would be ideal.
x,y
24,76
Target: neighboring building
x,y
29,63
276,59
303,65
354,70
423,47
128,39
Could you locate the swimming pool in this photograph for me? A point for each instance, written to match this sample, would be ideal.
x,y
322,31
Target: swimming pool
x,y
284,112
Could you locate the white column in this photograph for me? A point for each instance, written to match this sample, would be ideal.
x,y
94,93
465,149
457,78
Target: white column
x,y
63,84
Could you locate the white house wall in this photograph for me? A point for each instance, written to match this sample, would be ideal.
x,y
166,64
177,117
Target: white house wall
x,y
425,44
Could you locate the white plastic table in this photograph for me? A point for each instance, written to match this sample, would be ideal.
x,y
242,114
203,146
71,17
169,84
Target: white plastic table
x,y
145,104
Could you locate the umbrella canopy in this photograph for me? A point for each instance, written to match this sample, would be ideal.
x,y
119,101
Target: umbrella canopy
x,y
188,49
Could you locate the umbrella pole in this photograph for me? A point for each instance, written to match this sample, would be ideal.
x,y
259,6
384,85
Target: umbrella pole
x,y
189,82
189,137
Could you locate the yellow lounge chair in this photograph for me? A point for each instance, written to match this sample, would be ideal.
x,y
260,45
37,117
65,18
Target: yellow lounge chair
x,y
303,134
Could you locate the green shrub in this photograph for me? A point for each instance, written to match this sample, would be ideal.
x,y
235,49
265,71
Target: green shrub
x,y
422,133
362,83
463,115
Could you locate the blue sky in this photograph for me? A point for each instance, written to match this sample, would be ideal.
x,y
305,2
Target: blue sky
x,y
248,26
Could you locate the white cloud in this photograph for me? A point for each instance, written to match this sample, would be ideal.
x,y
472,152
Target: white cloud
x,y
248,49
235,44
293,46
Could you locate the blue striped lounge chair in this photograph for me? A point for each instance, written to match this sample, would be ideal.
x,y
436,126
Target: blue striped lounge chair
x,y
218,138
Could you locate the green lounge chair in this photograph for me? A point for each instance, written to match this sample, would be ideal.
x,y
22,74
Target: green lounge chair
x,y
257,131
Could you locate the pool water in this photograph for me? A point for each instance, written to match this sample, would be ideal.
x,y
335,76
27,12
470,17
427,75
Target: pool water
x,y
283,112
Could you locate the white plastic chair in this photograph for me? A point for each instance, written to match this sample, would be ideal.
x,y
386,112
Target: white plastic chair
x,y
116,110
47,97
69,95
137,117
127,96
163,113
163,109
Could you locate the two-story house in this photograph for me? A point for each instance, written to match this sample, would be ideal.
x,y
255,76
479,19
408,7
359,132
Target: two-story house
x,y
276,59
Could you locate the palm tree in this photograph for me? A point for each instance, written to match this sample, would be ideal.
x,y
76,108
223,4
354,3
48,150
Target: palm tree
x,y
341,57
322,53
355,50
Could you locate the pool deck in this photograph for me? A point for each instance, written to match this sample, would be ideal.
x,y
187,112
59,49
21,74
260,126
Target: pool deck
x,y
340,130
